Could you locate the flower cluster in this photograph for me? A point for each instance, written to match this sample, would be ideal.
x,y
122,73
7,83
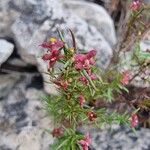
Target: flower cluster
x,y
134,121
126,78
86,142
57,132
85,61
136,5
53,54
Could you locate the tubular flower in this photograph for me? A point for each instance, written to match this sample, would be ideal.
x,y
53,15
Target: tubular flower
x,y
84,61
53,44
62,84
85,143
126,78
53,57
134,120
81,100
91,115
135,5
57,132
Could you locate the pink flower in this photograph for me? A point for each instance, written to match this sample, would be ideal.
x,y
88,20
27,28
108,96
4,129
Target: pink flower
x,y
54,44
57,132
84,61
135,5
91,54
134,120
83,80
81,100
126,78
93,77
53,57
85,143
91,115
61,83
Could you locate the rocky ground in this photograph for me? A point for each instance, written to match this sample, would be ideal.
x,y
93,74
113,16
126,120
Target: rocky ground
x,y
24,25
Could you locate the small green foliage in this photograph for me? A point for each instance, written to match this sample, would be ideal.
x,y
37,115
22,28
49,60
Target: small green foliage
x,y
69,141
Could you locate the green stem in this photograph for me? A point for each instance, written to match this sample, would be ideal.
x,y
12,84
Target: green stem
x,y
89,79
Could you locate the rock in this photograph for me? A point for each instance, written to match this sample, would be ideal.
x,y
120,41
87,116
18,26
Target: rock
x,y
7,82
145,43
147,1
120,138
23,120
6,49
94,15
7,17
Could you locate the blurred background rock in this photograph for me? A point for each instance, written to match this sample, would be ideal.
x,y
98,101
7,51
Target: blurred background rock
x,y
24,24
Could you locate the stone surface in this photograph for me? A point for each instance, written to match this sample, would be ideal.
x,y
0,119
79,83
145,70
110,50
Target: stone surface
x,y
145,43
7,82
147,1
23,121
7,17
120,138
6,49
94,15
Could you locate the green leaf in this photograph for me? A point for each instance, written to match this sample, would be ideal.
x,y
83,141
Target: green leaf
x,y
62,144
109,94
67,64
63,39
89,79
145,55
123,88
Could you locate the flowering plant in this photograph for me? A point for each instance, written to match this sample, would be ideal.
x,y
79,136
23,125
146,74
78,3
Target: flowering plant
x,y
85,93
80,85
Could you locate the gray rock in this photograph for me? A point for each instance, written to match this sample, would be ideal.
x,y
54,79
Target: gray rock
x,y
23,120
120,138
147,1
94,15
6,49
145,43
7,17
7,82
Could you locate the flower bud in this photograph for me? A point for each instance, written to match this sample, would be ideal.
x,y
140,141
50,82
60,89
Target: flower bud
x,y
53,40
